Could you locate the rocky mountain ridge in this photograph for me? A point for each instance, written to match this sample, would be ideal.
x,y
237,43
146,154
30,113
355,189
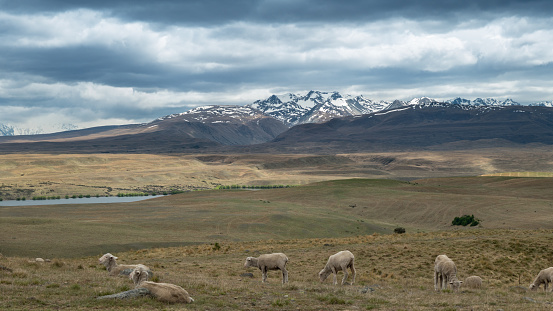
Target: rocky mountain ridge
x,y
291,109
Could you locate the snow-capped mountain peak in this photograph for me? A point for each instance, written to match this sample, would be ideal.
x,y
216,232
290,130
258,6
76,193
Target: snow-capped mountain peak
x,y
217,114
11,130
316,106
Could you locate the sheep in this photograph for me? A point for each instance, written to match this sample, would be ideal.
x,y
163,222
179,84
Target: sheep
x,y
162,291
109,261
340,261
275,261
545,276
445,272
473,282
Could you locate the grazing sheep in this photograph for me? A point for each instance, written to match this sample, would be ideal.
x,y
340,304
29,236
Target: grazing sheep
x,y
275,261
162,291
340,261
545,276
473,282
445,272
109,261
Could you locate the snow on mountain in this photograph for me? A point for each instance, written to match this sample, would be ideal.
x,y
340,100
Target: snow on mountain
x,y
6,130
459,101
217,114
421,101
316,106
543,104
9,130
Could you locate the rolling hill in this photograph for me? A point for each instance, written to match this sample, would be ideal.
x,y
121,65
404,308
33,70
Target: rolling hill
x,y
436,126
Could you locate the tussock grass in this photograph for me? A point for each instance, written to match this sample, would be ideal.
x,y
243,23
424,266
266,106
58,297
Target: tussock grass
x,y
47,175
394,273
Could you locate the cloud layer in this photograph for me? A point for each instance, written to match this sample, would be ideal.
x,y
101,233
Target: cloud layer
x,y
108,62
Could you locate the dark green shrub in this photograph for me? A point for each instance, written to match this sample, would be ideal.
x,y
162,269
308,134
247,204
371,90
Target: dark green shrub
x,y
465,220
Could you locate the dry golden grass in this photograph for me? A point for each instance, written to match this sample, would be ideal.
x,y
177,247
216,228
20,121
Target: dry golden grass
x,y
338,208
522,174
394,272
28,175
307,223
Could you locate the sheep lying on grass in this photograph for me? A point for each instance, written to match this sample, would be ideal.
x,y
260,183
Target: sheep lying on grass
x,y
162,291
275,261
473,282
445,272
109,261
340,261
544,277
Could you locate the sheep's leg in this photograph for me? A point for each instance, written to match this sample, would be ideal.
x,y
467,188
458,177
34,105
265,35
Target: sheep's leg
x,y
438,281
445,281
284,276
133,293
352,272
545,286
345,270
335,275
264,274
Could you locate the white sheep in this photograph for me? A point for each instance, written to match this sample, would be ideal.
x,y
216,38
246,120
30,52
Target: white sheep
x,y
445,272
162,291
275,261
340,261
545,276
109,261
473,281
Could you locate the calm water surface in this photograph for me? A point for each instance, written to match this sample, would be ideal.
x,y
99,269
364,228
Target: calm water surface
x,y
91,200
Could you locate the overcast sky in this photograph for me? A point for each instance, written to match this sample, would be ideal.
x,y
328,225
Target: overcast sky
x,y
103,62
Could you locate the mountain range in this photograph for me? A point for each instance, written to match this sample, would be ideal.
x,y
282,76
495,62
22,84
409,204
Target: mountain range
x,y
11,130
317,107
293,109
315,122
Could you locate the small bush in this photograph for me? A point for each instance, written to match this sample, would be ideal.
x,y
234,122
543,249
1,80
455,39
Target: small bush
x,y
465,220
57,263
399,230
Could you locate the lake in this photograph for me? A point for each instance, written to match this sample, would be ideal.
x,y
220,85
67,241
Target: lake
x,y
91,200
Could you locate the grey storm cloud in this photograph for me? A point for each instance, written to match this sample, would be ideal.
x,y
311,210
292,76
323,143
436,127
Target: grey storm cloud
x,y
275,11
104,62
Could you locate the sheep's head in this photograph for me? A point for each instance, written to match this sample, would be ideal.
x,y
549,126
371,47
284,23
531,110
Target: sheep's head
x,y
250,262
455,284
106,259
324,274
139,274
533,287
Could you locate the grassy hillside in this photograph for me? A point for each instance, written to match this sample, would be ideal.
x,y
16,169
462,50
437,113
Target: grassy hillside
x,y
28,175
394,272
341,208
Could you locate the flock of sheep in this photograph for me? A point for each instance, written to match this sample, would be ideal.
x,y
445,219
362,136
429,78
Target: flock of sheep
x,y
445,272
166,292
140,274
